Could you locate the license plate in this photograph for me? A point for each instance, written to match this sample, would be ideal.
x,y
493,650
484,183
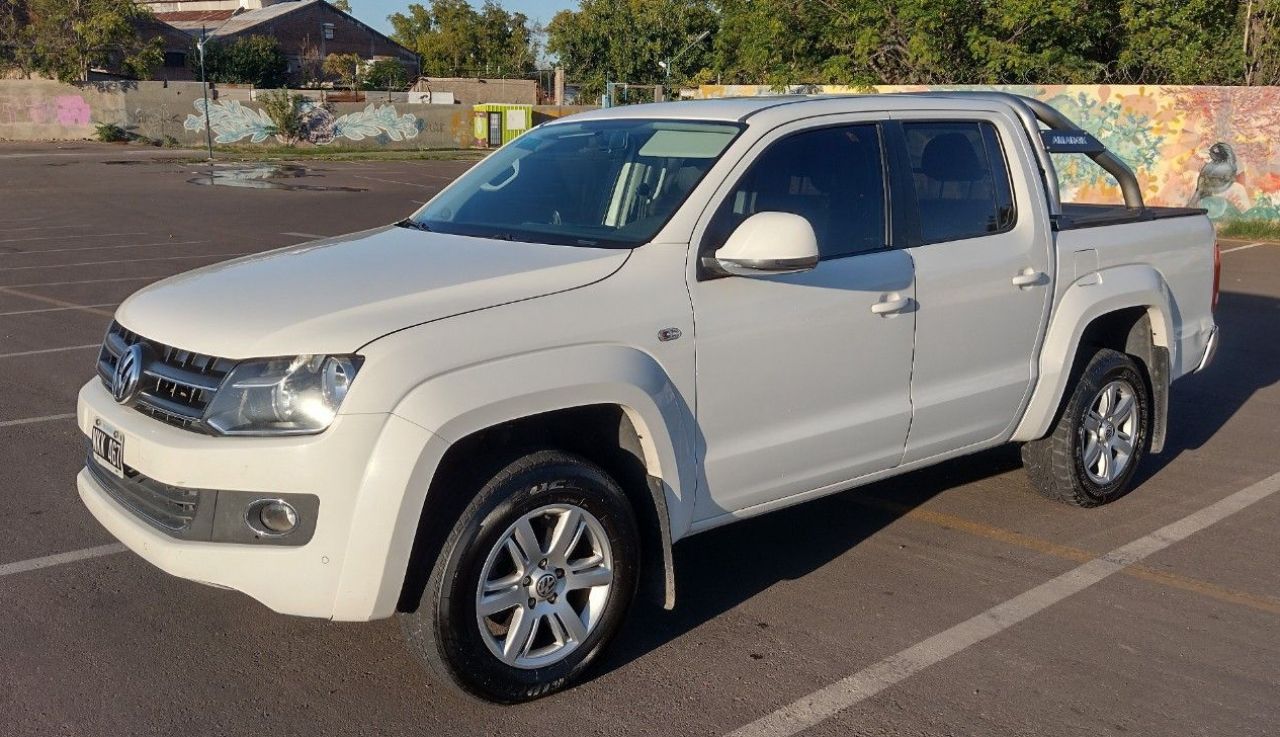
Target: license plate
x,y
108,447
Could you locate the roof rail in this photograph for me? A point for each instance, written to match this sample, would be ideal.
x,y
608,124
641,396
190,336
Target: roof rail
x,y
1033,111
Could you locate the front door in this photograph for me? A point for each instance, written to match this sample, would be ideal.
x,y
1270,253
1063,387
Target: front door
x,y
982,279
495,129
800,384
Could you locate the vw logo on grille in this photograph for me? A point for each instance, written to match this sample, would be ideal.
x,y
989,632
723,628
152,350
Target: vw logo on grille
x,y
127,374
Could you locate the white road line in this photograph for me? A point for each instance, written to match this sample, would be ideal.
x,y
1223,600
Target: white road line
x,y
67,237
820,705
81,281
45,227
102,248
121,261
55,309
33,420
306,235
39,351
49,561
1241,248
396,181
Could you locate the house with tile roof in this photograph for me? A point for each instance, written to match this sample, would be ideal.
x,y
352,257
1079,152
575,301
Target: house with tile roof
x,y
308,31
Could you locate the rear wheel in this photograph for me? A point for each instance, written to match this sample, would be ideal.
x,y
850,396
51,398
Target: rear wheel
x,y
1100,437
533,581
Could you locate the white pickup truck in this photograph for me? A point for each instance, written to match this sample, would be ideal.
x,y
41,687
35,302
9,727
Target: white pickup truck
x,y
496,417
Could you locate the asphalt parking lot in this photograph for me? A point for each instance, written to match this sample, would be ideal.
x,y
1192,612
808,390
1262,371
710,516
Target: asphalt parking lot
x,y
929,604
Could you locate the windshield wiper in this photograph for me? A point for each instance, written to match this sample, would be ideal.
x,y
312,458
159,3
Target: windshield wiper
x,y
413,225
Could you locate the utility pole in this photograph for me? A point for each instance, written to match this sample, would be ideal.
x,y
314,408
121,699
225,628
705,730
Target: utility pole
x,y
204,88
666,65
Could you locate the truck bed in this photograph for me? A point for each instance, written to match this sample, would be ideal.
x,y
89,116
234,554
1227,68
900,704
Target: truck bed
x,y
1080,215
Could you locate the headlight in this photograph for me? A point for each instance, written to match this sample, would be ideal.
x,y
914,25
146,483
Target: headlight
x,y
282,396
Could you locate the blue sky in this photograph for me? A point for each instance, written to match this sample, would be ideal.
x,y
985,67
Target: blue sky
x,y
375,12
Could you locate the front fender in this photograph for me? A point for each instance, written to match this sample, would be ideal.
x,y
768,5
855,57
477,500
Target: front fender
x,y
1084,301
459,403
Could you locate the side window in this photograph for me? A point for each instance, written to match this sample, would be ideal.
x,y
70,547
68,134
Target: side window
x,y
833,177
961,180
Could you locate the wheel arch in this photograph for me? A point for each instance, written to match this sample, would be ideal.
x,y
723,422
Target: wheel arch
x,y
612,405
1129,309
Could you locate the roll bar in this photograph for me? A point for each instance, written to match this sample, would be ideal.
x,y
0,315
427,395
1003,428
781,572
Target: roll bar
x,y
1032,112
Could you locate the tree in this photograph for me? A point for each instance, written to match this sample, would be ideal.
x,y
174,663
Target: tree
x,y
255,60
385,74
342,5
346,67
17,39
452,38
73,36
601,41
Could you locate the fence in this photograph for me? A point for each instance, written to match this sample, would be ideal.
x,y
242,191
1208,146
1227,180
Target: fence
x,y
42,110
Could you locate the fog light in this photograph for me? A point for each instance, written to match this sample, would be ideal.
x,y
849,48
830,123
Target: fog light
x,y
272,517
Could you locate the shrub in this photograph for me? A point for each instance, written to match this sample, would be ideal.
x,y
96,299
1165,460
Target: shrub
x,y
110,132
285,109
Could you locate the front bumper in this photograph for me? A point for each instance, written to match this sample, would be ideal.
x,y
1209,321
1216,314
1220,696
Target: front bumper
x,y
360,470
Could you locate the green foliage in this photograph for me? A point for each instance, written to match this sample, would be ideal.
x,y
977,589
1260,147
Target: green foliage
x,y
286,110
110,133
863,42
67,38
385,74
346,67
342,5
255,60
1261,230
454,39
603,40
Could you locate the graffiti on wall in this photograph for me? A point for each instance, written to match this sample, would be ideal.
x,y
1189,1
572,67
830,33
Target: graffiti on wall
x,y
1211,147
61,110
232,122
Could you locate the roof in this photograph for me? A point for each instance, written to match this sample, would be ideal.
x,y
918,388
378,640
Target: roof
x,y
775,108
180,16
233,23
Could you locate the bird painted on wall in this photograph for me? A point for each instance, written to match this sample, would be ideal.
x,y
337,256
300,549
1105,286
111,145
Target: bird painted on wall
x,y
1218,173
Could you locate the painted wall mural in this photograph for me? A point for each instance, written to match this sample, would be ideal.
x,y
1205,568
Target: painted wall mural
x,y
233,121
1212,147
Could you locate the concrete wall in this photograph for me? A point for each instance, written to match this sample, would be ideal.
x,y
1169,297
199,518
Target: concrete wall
x,y
1163,133
470,91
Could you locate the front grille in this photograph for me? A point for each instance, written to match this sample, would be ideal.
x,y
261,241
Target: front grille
x,y
171,509
176,385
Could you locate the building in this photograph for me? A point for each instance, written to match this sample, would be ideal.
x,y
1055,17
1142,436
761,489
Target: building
x,y
473,90
308,31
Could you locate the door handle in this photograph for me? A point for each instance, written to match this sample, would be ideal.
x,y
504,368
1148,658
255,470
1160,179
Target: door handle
x,y
1029,277
890,306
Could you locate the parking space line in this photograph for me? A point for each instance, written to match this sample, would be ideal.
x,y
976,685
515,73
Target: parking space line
x,y
122,261
1263,603
1241,248
48,561
67,237
39,351
60,303
824,703
102,248
34,420
11,287
312,236
54,309
406,184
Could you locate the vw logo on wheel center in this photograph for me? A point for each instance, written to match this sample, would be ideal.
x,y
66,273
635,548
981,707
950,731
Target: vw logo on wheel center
x,y
127,374
546,586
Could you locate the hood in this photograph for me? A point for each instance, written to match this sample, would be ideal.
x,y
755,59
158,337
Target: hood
x,y
335,295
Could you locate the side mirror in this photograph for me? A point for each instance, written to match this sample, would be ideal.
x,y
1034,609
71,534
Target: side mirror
x,y
768,243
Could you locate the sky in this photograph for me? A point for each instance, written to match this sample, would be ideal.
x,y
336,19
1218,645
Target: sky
x,y
375,12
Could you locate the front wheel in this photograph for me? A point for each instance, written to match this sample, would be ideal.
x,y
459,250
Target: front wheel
x,y
533,581
1099,439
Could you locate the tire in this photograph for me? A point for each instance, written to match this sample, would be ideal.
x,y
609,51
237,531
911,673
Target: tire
x,y
1084,462
467,650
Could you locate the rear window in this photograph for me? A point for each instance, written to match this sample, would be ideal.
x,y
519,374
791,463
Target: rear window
x,y
961,180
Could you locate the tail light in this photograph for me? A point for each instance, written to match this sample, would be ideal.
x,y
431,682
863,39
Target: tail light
x,y
1217,272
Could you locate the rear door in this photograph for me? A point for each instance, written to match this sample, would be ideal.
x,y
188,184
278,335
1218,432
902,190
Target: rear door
x,y
980,244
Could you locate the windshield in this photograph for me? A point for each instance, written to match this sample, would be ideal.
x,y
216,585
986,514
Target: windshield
x,y
611,183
